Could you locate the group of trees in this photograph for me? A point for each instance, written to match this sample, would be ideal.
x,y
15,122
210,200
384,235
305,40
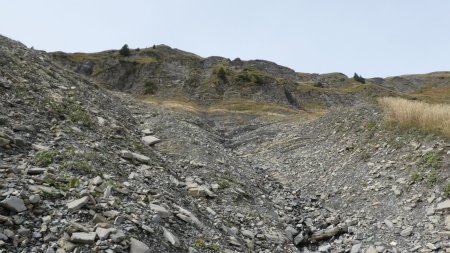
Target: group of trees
x,y
359,78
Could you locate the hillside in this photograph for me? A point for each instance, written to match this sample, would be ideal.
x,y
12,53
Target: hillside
x,y
173,74
166,151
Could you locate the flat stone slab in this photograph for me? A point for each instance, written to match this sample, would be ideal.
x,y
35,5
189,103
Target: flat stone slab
x,y
150,140
36,171
14,204
77,204
103,233
137,246
443,205
84,238
163,212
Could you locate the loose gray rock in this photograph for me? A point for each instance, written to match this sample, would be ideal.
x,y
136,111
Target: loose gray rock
x,y
171,238
84,238
356,248
163,212
118,236
103,233
406,232
138,247
150,140
14,204
443,205
77,204
36,171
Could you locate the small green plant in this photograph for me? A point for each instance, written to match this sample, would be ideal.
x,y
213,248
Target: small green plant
x,y
73,182
139,147
432,177
199,244
78,115
446,190
44,158
224,184
431,159
80,166
68,108
371,125
416,177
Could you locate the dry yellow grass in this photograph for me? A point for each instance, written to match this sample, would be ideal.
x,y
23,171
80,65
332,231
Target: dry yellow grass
x,y
417,114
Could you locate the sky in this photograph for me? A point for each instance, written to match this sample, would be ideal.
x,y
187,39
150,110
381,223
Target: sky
x,y
370,37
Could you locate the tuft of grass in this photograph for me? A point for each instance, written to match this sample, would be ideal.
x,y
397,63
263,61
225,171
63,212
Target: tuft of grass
x,y
431,159
446,190
199,244
142,60
432,177
80,166
73,111
416,114
44,158
371,125
416,177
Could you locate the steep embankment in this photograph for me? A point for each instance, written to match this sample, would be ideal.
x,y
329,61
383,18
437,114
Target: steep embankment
x,y
76,174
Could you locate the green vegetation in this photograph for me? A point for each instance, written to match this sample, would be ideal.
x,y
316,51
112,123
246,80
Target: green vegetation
x,y
250,76
224,184
44,158
220,73
79,57
359,78
432,177
139,147
371,125
431,159
81,162
124,51
200,244
73,111
416,177
140,60
446,190
80,166
150,87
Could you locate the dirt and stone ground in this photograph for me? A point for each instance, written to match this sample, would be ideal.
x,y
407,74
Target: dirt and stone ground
x,y
84,169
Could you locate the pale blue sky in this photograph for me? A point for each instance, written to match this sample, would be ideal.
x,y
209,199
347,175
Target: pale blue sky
x,y
370,37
